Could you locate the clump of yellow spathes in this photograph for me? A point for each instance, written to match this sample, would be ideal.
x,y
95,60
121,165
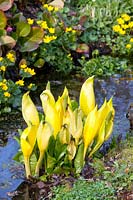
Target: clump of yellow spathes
x,y
86,125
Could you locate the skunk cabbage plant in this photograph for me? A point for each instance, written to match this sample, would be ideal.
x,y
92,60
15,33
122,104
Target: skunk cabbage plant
x,y
63,135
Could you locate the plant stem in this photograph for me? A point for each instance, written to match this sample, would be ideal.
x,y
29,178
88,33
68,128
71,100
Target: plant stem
x,y
39,162
27,167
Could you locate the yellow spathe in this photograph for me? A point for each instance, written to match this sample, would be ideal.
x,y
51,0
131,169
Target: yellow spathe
x,y
87,96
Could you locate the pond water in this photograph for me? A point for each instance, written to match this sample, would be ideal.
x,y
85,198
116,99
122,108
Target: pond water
x,y
121,88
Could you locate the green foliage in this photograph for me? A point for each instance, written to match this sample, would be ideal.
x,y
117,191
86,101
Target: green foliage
x,y
10,91
103,66
87,190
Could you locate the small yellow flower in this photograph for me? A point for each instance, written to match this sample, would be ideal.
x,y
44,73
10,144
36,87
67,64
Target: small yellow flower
x,y
51,30
56,9
1,58
20,82
7,94
45,6
23,66
124,26
122,32
53,37
116,28
30,85
131,40
4,87
10,57
39,22
44,25
126,17
50,8
120,21
73,31
130,24
128,46
68,29
31,71
3,68
30,21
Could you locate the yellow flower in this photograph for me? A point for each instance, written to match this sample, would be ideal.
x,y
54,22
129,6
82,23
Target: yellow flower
x,y
128,46
51,30
44,25
73,31
30,85
20,82
122,32
4,87
39,22
56,9
3,68
31,71
131,40
124,26
116,28
10,57
45,6
126,17
30,21
120,21
68,29
50,8
7,94
23,66
1,58
130,24
47,39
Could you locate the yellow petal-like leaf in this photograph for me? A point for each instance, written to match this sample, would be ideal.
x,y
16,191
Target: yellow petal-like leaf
x,y
29,111
90,128
87,96
43,135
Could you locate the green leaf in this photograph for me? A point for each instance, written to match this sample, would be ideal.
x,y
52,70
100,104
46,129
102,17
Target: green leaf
x,y
3,20
79,160
36,35
33,162
23,29
51,161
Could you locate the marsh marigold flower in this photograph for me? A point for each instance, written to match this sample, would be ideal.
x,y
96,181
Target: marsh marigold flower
x,y
131,40
44,25
120,21
23,66
7,94
68,29
30,85
30,21
130,24
116,28
1,58
128,46
122,32
126,17
10,57
20,82
3,68
4,87
51,30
